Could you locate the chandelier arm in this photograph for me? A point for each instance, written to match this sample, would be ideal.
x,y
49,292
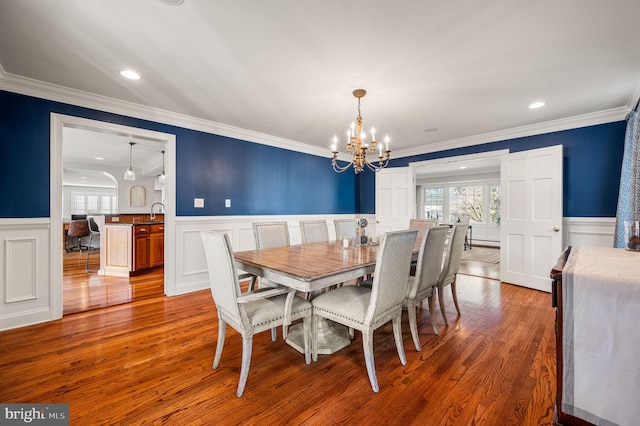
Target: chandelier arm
x,y
339,169
376,168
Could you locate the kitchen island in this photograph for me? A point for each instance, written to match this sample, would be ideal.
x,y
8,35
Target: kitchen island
x,y
131,248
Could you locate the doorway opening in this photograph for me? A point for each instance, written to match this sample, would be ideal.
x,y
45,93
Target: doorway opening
x,y
73,288
468,184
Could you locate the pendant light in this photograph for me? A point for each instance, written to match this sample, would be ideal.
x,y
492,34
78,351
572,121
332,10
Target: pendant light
x,y
162,178
130,174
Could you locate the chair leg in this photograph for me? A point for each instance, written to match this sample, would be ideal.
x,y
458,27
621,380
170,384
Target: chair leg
x,y
367,345
314,337
307,339
222,331
454,292
274,336
397,333
432,311
441,299
86,262
413,324
247,344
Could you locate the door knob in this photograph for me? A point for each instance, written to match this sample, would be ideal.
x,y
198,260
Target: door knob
x,y
555,229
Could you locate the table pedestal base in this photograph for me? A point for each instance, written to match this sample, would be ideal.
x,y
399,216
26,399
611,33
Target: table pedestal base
x,y
331,337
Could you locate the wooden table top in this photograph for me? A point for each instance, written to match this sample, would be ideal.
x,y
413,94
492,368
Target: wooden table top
x,y
311,266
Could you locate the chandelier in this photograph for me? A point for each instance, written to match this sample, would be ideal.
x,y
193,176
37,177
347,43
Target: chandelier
x,y
358,147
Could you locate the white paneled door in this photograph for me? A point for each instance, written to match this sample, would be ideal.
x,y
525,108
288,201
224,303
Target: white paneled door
x,y
531,216
395,198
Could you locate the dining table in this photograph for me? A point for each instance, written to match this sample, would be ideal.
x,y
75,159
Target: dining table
x,y
312,268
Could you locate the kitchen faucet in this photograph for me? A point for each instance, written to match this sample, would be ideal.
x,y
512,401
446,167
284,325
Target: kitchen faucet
x,y
152,216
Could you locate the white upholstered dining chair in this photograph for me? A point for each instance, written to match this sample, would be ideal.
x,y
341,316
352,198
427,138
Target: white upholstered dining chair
x,y
423,284
367,309
453,256
251,312
313,231
267,235
271,234
422,225
345,228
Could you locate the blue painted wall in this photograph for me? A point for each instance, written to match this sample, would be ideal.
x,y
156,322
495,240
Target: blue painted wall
x,y
263,180
591,167
260,180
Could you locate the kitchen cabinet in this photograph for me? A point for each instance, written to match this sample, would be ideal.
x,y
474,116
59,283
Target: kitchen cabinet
x,y
156,245
148,246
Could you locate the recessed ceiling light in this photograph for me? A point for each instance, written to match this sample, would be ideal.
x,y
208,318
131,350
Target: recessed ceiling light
x,y
431,129
130,74
463,167
538,104
98,158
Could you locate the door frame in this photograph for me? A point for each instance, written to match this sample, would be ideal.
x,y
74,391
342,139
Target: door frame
x,y
58,123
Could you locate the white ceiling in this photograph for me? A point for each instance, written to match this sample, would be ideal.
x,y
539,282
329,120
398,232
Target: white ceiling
x,y
87,153
287,68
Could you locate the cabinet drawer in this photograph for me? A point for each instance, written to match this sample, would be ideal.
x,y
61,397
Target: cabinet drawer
x,y
140,230
157,228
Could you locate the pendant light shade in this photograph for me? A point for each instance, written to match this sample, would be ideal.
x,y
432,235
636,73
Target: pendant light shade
x,y
130,174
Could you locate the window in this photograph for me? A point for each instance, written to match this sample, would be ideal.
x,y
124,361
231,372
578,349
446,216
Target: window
x,y
78,205
108,204
93,204
466,200
433,203
479,200
494,204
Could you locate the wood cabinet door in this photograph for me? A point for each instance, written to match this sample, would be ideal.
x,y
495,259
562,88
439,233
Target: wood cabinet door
x,y
141,252
156,249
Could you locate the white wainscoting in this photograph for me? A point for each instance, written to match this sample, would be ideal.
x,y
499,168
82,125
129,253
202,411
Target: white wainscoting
x,y
589,231
25,272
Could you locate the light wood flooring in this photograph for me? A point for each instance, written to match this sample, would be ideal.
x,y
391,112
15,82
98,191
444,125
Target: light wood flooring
x,y
149,362
84,291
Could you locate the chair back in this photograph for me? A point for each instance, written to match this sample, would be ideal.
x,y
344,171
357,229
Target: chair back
x,y
271,234
223,276
430,258
422,225
345,228
93,226
79,228
454,253
314,231
391,273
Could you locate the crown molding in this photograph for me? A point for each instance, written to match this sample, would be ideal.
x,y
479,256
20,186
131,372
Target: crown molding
x,y
591,119
52,92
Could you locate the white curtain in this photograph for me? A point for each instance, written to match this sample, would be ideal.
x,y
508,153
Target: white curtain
x,y
629,197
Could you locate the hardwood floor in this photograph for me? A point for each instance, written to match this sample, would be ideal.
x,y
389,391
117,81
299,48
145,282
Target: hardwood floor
x,y
481,262
149,362
83,291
